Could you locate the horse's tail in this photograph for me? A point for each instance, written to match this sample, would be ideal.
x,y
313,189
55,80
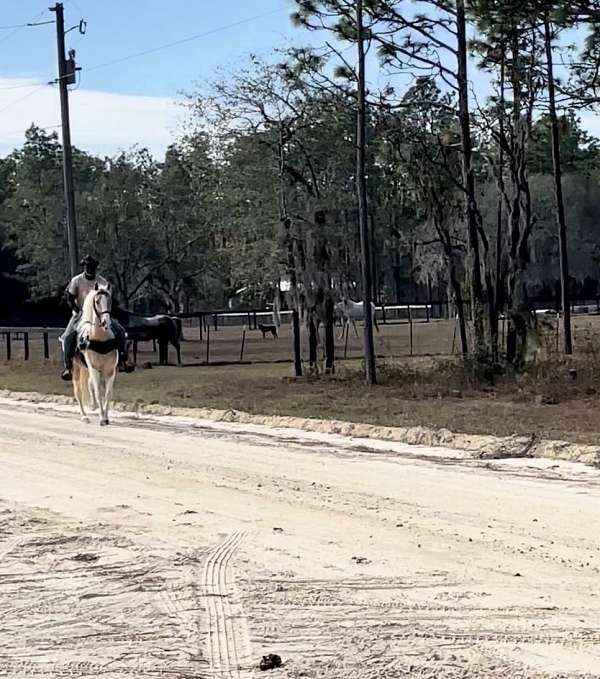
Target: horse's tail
x,y
81,382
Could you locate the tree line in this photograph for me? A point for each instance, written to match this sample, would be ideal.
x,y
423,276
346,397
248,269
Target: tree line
x,y
487,194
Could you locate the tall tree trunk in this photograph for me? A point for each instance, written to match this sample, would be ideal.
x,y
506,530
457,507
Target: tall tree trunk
x,y
291,260
363,215
454,284
499,211
478,297
374,267
313,342
460,311
521,218
296,340
329,336
558,192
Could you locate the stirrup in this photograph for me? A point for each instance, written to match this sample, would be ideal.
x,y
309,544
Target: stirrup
x,y
125,367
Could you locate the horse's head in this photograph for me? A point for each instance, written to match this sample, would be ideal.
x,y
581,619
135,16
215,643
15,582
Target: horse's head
x,y
102,303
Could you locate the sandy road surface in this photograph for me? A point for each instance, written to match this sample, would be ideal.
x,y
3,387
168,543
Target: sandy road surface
x,y
145,550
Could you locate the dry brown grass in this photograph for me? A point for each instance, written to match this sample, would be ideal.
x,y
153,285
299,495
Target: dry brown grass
x,y
554,399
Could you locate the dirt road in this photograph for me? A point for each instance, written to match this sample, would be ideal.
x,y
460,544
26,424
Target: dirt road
x,y
155,550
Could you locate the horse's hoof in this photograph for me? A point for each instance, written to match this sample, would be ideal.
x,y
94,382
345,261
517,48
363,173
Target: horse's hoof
x,y
85,419
103,423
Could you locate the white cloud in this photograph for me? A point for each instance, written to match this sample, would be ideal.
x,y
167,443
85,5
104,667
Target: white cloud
x,y
101,122
590,122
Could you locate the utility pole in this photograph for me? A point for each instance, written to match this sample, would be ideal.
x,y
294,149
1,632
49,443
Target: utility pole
x,y
561,221
363,215
66,76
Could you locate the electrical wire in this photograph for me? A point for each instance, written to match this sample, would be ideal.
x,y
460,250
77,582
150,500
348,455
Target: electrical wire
x,y
41,127
22,87
152,50
20,99
19,27
198,36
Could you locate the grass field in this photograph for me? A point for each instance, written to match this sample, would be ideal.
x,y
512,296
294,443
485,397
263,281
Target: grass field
x,y
428,388
548,402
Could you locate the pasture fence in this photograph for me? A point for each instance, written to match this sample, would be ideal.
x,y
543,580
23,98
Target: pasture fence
x,y
231,337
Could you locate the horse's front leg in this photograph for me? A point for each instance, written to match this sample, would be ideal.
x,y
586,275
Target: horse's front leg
x,y
109,381
95,389
103,399
79,384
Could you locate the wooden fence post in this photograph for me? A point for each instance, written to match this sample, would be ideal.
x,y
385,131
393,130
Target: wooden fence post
x,y
26,345
346,341
410,330
243,343
8,346
46,346
207,344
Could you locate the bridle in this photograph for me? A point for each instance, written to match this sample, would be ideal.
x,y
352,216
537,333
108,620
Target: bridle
x,y
97,312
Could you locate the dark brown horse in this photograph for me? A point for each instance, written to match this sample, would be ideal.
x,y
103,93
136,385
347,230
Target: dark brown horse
x,y
160,328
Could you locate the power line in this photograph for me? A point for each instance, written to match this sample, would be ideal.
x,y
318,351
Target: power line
x,y
23,131
20,99
151,50
19,27
22,87
29,24
10,28
168,45
136,55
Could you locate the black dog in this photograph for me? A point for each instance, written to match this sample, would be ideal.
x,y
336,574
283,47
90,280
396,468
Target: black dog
x,y
267,328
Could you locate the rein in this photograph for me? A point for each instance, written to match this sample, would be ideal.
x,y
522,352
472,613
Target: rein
x,y
97,313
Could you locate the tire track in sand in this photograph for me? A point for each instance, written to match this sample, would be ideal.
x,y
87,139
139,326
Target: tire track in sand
x,y
8,546
228,647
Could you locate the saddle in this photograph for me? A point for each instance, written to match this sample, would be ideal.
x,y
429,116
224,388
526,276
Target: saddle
x,y
85,343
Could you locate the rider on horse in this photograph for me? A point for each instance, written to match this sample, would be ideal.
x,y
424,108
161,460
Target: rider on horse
x,y
77,291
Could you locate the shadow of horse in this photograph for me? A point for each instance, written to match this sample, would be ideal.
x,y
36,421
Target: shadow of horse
x,y
162,329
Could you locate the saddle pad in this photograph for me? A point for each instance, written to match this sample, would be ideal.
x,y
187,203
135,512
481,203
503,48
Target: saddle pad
x,y
102,347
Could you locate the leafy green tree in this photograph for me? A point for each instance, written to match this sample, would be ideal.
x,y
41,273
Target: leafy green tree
x,y
33,215
579,151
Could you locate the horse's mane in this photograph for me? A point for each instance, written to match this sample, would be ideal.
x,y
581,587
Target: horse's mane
x,y
87,313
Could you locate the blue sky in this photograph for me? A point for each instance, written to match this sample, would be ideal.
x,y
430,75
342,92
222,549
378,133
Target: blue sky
x,y
121,104
117,95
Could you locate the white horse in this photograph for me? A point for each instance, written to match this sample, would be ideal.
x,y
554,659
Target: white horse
x,y
349,312
95,365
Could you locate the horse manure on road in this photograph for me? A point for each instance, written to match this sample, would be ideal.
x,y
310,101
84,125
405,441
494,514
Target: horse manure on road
x,y
270,662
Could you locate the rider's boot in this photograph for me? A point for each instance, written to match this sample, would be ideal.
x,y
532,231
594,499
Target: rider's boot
x,y
124,365
66,375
